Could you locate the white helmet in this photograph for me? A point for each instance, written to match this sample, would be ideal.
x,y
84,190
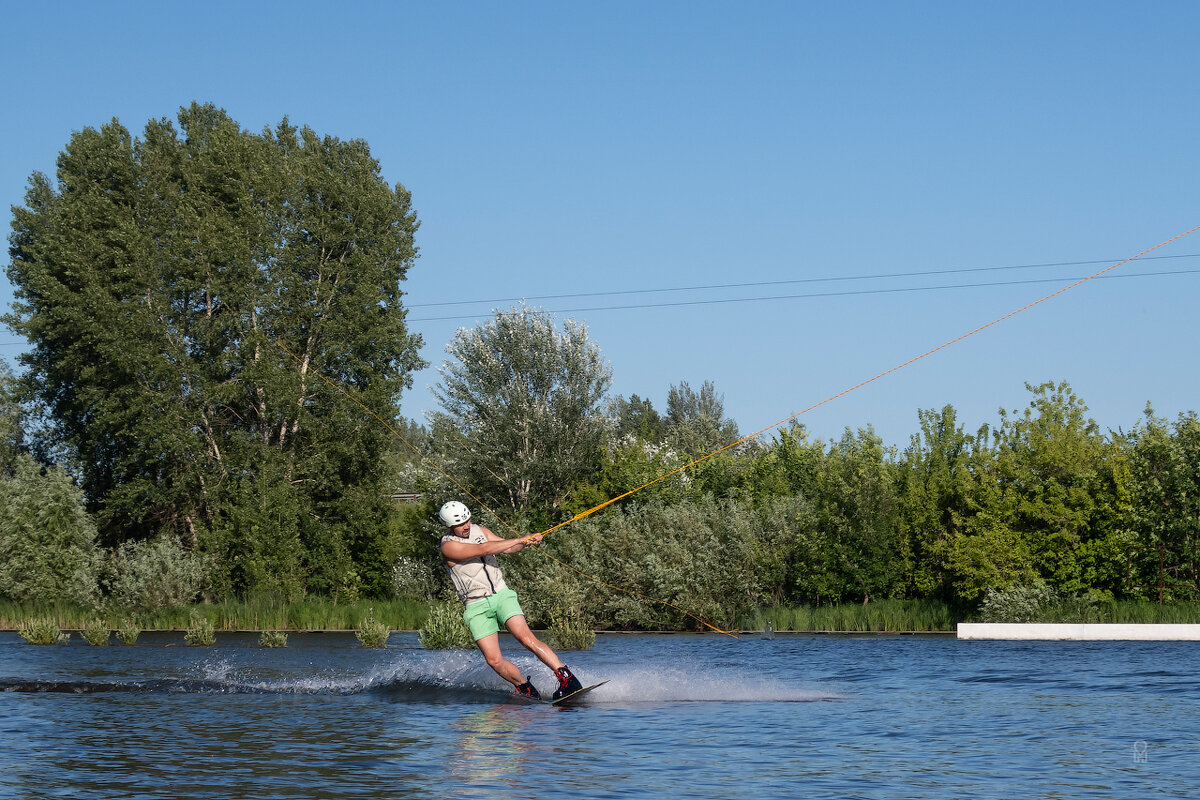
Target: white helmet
x,y
454,513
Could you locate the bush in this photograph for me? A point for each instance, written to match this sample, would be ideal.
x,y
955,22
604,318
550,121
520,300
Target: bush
x,y
273,639
47,541
200,632
43,631
144,576
95,633
696,557
570,627
1030,603
570,632
417,578
128,631
371,632
444,629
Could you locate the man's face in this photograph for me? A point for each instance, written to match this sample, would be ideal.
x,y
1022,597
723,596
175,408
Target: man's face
x,y
462,529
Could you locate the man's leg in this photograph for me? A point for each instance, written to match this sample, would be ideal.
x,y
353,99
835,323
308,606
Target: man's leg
x,y
490,647
519,628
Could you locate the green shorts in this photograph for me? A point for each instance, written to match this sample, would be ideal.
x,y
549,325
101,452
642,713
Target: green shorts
x,y
485,616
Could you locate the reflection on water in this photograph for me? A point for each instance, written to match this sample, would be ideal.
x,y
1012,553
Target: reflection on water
x,y
683,716
491,751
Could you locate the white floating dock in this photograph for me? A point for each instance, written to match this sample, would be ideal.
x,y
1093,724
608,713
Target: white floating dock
x,y
1082,632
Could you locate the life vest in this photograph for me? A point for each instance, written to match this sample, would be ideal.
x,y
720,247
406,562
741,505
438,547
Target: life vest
x,y
477,577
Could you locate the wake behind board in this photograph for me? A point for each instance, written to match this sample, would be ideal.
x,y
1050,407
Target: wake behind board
x,y
574,698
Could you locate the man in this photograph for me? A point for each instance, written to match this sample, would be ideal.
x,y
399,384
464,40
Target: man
x,y
469,552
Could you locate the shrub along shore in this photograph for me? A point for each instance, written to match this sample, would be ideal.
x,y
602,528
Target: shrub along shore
x,y
883,616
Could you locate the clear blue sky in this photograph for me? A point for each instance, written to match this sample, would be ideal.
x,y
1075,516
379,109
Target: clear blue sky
x,y
569,149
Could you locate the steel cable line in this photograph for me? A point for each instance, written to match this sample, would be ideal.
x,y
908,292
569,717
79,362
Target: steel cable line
x,y
861,384
786,281
809,295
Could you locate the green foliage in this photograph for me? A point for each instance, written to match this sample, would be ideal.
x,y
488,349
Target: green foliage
x,y
128,631
571,622
627,464
160,279
1049,464
696,556
1163,513
12,433
520,420
144,576
445,630
43,630
273,639
95,633
695,422
570,631
200,631
371,632
258,613
884,616
47,541
417,578
1022,603
788,466
936,496
635,418
856,511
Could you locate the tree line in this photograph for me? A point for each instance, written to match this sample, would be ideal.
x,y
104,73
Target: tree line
x,y
1041,497
197,300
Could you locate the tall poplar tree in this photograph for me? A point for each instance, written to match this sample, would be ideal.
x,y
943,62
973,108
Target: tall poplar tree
x,y
159,281
521,419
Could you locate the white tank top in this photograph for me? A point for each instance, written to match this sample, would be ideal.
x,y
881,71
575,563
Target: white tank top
x,y
477,577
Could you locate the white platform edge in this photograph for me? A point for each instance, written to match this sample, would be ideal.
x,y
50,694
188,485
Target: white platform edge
x,y
1085,632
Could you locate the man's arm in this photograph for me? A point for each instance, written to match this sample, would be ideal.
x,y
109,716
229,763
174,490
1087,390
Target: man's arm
x,y
495,545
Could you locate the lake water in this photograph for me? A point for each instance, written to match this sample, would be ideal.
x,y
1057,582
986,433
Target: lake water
x,y
689,716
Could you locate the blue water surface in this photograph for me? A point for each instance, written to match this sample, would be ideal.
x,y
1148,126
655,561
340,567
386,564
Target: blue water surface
x,y
689,716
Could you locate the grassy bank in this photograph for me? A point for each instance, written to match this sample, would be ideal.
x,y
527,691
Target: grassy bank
x,y
930,615
250,615
882,615
894,616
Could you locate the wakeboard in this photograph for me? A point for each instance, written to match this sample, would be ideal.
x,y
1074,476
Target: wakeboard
x,y
575,698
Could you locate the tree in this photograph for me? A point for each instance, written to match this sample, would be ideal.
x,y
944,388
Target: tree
x,y
47,541
520,419
1060,493
696,423
935,490
11,431
159,280
636,417
1164,508
856,510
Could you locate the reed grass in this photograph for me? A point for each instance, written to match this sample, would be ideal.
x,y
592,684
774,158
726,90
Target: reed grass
x,y
319,614
253,614
895,616
900,616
